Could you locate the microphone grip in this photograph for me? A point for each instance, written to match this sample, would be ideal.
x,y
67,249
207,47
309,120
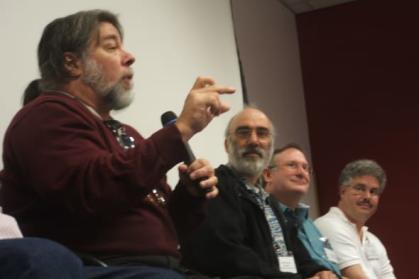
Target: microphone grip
x,y
169,118
190,157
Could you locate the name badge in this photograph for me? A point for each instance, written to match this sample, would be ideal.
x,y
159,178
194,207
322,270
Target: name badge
x,y
287,264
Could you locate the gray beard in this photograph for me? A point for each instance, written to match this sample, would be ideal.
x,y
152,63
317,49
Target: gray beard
x,y
114,95
248,167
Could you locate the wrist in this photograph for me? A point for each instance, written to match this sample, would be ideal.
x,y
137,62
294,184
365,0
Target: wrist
x,y
184,130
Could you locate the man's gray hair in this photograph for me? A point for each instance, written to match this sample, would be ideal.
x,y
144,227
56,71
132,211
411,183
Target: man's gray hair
x,y
362,167
73,34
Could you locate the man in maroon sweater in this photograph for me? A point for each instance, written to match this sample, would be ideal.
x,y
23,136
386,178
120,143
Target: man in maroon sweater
x,y
75,175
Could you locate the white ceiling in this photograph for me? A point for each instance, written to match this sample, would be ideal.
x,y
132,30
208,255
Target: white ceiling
x,y
302,6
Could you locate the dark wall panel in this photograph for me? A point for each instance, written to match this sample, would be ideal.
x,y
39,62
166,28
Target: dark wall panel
x,y
361,79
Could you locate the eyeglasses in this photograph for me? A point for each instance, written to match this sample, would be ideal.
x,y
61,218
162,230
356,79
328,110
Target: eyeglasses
x,y
126,142
246,132
363,189
293,165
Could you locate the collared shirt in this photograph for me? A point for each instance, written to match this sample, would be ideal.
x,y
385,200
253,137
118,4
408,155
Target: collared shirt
x,y
8,227
317,245
368,251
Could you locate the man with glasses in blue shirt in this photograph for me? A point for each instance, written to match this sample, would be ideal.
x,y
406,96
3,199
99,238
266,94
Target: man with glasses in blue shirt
x,y
360,253
288,179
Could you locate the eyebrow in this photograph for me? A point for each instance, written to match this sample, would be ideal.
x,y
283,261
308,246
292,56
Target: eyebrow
x,y
249,127
110,37
370,188
296,161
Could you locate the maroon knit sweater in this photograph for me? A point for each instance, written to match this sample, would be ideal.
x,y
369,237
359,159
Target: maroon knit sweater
x,y
66,178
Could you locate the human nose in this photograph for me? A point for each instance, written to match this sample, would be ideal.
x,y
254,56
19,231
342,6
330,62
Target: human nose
x,y
303,172
253,138
367,193
128,58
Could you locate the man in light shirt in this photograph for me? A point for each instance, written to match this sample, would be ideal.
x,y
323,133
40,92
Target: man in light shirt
x,y
8,227
360,253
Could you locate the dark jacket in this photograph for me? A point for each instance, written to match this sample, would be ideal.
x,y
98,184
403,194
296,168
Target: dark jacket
x,y
235,239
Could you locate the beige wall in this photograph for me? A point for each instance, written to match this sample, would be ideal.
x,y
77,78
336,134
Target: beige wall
x,y
173,42
267,40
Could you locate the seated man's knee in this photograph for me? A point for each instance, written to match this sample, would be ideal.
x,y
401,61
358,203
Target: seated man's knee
x,y
38,258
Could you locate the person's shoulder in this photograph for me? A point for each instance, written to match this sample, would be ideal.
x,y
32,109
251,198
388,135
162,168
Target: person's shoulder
x,y
228,182
333,213
31,111
52,98
327,217
221,169
331,221
51,104
49,110
224,173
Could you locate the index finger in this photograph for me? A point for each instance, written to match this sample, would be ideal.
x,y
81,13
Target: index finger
x,y
203,81
221,89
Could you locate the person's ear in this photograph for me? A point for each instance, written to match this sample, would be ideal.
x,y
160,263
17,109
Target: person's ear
x,y
72,64
267,175
267,178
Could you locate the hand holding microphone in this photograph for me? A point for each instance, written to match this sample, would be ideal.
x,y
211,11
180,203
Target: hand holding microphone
x,y
199,178
201,105
197,175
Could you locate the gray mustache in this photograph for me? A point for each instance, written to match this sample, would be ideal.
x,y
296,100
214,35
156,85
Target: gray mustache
x,y
256,150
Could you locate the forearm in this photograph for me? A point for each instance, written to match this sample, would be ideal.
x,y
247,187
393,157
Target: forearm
x,y
354,272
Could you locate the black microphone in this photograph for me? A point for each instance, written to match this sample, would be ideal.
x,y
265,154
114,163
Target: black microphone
x,y
169,118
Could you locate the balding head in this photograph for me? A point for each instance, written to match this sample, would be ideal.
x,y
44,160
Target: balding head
x,y
249,142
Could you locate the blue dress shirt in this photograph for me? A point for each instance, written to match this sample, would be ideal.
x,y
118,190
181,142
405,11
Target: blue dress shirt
x,y
311,237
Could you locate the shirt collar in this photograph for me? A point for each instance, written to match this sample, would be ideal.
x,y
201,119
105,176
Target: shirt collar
x,y
257,189
337,211
301,212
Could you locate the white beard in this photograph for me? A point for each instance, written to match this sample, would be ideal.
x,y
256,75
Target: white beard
x,y
115,95
248,167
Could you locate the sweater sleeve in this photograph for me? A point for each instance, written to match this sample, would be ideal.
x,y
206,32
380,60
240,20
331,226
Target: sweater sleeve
x,y
71,158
